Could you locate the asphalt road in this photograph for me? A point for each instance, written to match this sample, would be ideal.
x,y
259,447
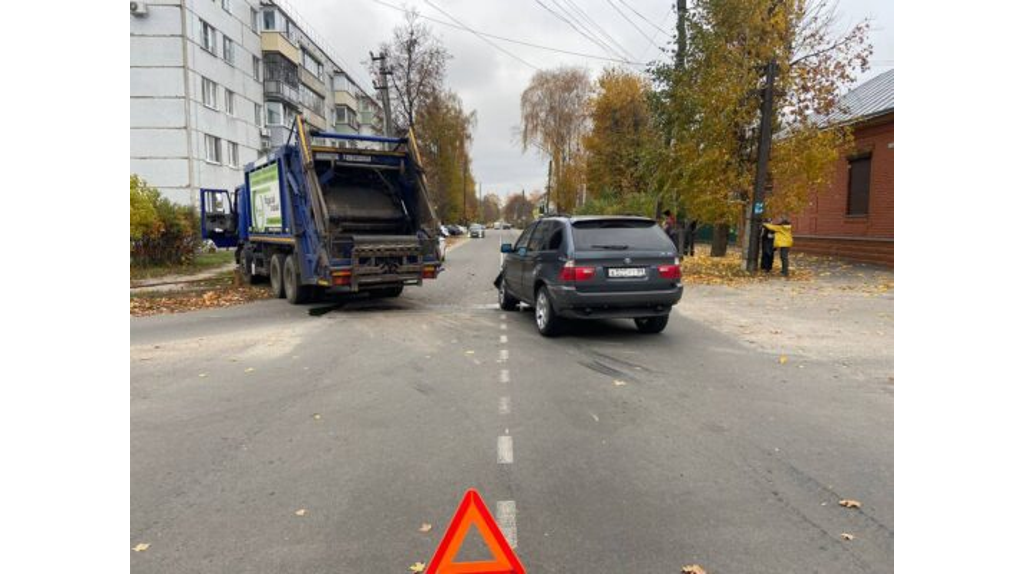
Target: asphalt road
x,y
600,451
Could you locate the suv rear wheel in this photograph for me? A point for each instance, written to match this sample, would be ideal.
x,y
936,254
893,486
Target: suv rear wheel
x,y
548,322
651,325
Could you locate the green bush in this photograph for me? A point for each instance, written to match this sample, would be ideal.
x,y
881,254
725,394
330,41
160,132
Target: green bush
x,y
162,232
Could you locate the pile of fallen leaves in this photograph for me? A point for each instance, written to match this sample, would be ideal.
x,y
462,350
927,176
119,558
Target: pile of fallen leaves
x,y
702,269
194,300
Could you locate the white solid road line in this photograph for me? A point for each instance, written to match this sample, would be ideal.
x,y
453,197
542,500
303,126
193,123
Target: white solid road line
x,y
504,405
507,521
504,449
503,376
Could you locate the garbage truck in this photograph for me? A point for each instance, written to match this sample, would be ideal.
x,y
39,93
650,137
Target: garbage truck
x,y
351,217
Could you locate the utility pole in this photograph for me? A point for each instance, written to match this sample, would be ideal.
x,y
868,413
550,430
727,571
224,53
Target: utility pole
x,y
680,34
547,192
381,85
465,196
764,149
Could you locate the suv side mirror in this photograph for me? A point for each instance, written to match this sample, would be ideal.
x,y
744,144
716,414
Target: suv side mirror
x,y
506,248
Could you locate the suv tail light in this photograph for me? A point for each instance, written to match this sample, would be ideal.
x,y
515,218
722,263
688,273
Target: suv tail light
x,y
673,271
571,273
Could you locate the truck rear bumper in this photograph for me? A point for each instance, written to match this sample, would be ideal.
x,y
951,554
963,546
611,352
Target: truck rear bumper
x,y
569,302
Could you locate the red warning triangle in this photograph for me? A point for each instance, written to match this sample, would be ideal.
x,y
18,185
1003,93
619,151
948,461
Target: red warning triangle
x,y
473,512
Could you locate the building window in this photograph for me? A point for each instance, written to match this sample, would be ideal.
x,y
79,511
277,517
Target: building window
x,y
229,102
213,149
208,38
311,99
859,186
256,68
275,114
229,51
254,19
233,154
258,115
209,93
345,115
312,65
270,20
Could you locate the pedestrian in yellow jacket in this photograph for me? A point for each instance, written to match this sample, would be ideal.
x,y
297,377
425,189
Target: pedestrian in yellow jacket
x,y
783,241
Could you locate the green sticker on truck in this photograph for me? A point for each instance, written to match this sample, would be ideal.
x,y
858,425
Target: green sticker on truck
x,y
265,196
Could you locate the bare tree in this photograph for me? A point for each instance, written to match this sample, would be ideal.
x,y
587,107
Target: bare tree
x,y
417,61
554,116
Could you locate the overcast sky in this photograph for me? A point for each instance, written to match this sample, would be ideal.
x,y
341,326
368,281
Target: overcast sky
x,y
490,81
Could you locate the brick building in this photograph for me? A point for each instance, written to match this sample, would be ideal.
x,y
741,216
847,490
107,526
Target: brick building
x,y
852,217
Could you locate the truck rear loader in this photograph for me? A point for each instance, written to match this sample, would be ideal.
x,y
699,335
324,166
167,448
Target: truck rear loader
x,y
312,218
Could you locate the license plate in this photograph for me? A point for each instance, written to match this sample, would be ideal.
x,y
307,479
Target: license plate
x,y
619,272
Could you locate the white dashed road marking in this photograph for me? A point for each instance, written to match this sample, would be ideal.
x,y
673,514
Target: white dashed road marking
x,y
504,449
503,355
507,521
504,405
503,339
503,376
504,326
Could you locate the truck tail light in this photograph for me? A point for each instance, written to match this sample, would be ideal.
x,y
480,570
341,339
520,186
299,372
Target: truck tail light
x,y
673,271
429,272
571,272
341,278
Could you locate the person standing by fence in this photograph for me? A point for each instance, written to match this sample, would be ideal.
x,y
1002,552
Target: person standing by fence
x,y
783,241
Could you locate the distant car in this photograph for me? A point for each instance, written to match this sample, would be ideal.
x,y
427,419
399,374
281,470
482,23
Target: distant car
x,y
596,267
462,229
505,225
455,230
477,230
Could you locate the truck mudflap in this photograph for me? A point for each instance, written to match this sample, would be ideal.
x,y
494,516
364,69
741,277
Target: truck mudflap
x,y
386,260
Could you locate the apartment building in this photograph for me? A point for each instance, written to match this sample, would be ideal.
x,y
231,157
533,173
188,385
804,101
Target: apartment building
x,y
216,83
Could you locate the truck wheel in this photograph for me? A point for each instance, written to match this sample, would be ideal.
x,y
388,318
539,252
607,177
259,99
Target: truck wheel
x,y
505,300
246,269
651,325
277,275
548,322
294,291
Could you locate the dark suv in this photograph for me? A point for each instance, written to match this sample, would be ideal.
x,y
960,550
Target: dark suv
x,y
595,267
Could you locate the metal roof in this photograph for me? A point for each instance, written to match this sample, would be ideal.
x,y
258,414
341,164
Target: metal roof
x,y
874,97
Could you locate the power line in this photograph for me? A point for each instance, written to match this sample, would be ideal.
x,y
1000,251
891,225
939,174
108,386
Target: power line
x,y
644,18
592,25
626,18
481,36
506,39
663,20
595,41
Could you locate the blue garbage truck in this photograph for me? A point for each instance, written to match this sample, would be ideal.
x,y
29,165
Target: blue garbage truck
x,y
313,217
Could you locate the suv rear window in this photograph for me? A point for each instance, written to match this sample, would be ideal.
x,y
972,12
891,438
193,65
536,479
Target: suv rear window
x,y
619,235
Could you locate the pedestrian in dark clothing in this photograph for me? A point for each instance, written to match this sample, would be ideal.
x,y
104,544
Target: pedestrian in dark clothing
x,y
671,227
767,249
689,237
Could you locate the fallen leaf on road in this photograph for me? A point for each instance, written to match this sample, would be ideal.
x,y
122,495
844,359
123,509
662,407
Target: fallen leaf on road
x,y
849,503
249,369
470,352
300,512
140,547
425,527
846,536
316,416
693,569
619,383
202,375
783,360
418,567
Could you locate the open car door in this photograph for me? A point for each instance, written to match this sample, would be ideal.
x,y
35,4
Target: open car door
x,y
219,216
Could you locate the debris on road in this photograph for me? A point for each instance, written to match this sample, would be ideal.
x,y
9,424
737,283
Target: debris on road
x,y
693,569
140,547
847,536
425,527
142,306
849,503
300,512
418,567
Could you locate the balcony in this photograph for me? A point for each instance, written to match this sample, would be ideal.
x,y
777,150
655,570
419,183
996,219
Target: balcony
x,y
345,99
278,42
278,90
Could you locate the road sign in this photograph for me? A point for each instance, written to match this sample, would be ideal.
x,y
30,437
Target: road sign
x,y
473,512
